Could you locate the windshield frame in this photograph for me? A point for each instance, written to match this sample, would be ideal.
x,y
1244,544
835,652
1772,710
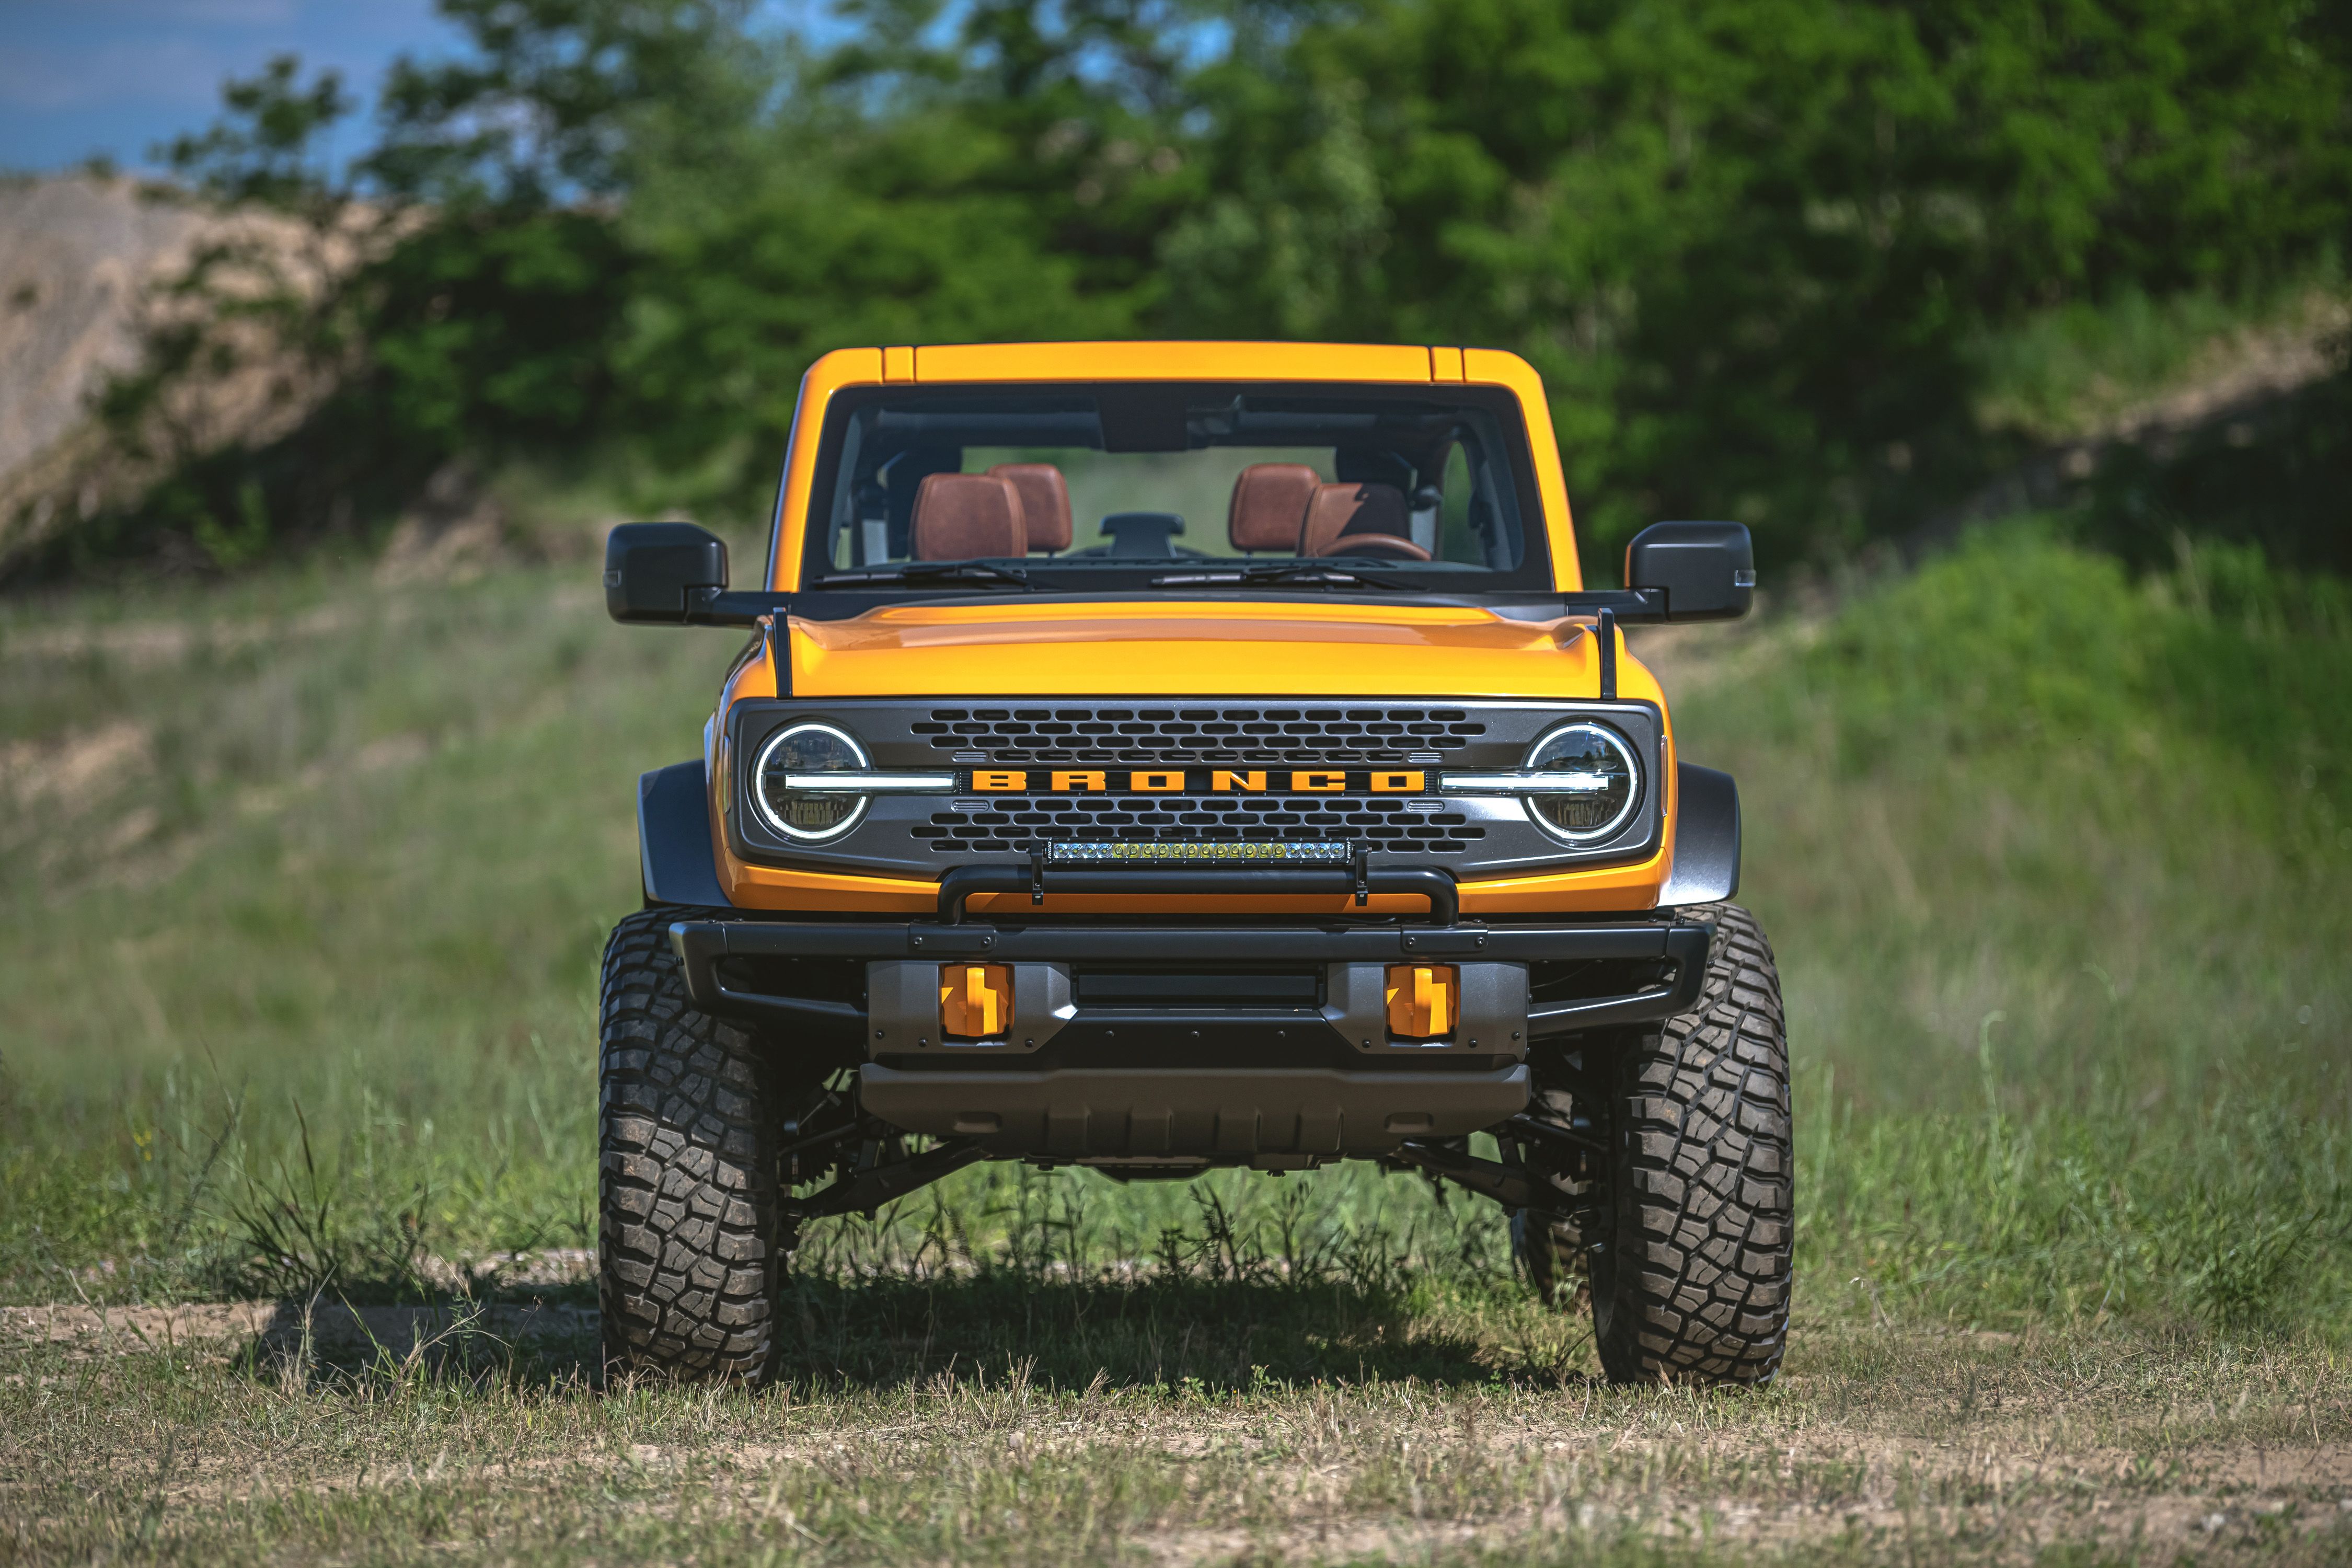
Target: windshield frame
x,y
1536,576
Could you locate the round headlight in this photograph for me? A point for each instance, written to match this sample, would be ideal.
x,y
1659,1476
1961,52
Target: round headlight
x,y
779,782
1600,783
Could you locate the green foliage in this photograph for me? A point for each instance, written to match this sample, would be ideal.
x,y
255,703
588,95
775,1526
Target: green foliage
x,y
1749,243
2012,639
2275,473
2227,682
542,106
1764,253
2068,372
262,148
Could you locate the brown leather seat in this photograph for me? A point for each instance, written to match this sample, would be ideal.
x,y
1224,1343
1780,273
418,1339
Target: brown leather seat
x,y
1269,504
1045,502
1369,520
958,516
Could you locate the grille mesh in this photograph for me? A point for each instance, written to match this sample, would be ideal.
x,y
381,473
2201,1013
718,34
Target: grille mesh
x,y
1333,737
1382,823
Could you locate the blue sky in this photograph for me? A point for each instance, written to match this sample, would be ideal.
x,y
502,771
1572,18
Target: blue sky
x,y
116,77
79,77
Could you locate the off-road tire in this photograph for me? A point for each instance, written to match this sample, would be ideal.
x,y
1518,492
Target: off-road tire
x,y
692,1231
1691,1219
1692,1285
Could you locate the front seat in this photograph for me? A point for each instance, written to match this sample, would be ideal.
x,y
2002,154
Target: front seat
x,y
1045,502
1269,504
960,516
1358,520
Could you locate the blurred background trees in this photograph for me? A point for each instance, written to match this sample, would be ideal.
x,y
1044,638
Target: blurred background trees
x,y
1778,261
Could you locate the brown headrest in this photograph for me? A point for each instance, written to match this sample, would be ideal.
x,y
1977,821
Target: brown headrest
x,y
961,515
1269,504
1045,502
1338,514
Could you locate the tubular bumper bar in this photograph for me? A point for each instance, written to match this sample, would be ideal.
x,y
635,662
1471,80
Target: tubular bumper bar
x,y
702,942
701,945
959,884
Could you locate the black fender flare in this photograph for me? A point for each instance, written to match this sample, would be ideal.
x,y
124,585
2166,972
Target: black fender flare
x,y
674,856
1707,839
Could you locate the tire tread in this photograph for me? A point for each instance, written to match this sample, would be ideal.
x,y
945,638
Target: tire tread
x,y
692,1231
1704,1202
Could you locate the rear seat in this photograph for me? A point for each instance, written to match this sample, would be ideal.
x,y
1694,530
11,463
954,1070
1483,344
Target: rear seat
x,y
958,516
1269,506
1368,517
1045,502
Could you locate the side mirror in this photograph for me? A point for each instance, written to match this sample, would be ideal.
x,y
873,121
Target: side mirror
x,y
1703,570
662,573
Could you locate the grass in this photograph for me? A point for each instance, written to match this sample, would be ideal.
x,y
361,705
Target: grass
x,y
302,883
2080,371
1030,1422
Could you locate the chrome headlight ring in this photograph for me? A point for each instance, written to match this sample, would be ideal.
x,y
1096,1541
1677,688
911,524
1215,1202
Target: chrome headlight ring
x,y
1593,774
783,773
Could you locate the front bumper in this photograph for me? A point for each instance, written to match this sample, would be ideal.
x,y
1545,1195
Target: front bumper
x,y
1142,1044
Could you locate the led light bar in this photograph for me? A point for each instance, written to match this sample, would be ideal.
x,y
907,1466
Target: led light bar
x,y
845,781
1576,783
1283,852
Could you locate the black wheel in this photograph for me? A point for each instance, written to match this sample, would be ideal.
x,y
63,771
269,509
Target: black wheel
x,y
692,1230
1683,1225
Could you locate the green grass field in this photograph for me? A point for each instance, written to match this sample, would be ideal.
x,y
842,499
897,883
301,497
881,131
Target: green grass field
x,y
305,882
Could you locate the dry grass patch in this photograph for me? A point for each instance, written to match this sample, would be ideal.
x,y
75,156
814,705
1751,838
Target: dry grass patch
x,y
226,1440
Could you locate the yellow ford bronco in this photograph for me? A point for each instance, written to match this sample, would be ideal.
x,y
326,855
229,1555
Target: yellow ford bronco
x,y
1160,756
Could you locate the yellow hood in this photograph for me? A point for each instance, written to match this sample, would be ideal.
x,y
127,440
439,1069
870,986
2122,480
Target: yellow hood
x,y
1203,649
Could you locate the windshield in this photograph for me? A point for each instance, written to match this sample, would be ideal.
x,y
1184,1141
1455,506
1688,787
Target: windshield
x,y
1177,485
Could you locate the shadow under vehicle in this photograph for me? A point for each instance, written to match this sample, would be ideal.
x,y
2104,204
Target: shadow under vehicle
x,y
1349,829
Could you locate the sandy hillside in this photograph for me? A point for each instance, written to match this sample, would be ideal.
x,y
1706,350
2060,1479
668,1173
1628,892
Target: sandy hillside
x,y
75,257
84,266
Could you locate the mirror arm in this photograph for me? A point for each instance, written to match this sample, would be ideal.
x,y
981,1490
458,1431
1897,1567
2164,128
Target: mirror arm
x,y
718,607
1631,607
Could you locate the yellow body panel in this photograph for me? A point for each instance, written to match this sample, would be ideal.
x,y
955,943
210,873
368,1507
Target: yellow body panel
x,y
1386,363
1204,649
1173,362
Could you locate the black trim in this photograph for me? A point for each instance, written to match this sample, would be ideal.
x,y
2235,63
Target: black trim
x,y
743,607
835,1022
1686,945
1328,942
702,944
867,1190
675,861
1511,1187
964,881
778,637
1706,837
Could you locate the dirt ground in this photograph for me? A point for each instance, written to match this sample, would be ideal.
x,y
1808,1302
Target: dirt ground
x,y
466,1434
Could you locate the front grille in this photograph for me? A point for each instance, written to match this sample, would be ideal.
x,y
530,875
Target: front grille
x,y
1330,737
1469,835
1382,823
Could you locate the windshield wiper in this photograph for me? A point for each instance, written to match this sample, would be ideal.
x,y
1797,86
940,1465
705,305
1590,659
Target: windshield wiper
x,y
1274,572
933,572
